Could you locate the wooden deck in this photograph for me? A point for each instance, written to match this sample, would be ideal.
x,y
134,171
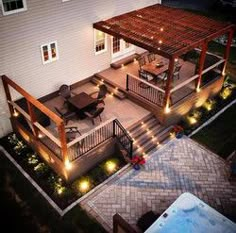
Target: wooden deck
x,y
118,78
114,107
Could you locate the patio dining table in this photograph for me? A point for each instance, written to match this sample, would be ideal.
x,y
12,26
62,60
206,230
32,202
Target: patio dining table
x,y
155,68
82,102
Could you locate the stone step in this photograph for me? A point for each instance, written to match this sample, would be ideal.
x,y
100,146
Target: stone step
x,y
141,128
149,145
98,80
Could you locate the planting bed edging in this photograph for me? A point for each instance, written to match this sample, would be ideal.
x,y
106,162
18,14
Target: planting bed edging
x,y
47,197
212,118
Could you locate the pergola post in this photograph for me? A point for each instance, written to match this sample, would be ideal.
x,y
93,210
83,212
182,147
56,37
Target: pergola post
x,y
227,50
201,65
167,99
8,95
62,136
32,118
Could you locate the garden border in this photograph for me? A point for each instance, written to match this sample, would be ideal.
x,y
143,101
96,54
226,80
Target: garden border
x,y
212,118
47,197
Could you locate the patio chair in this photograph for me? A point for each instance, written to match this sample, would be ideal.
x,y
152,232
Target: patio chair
x,y
141,61
101,94
65,114
65,92
72,132
94,114
176,71
163,77
151,57
143,74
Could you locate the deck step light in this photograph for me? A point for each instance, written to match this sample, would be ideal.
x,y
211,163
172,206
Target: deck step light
x,y
15,113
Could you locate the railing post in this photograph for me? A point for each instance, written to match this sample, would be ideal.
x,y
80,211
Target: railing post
x,y
131,150
227,50
201,65
127,82
32,118
167,98
114,128
62,136
8,94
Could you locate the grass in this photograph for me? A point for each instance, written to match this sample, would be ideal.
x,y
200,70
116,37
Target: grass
x,y
217,48
220,135
30,212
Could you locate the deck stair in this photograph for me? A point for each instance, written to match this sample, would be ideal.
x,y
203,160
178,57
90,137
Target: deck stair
x,y
98,80
147,134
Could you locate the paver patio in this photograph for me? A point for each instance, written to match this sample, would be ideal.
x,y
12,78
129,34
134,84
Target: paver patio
x,y
180,166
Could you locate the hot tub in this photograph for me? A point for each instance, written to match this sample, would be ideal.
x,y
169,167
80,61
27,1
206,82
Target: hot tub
x,y
188,214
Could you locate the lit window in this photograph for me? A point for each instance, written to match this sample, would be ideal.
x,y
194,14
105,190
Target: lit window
x,y
13,6
100,42
49,52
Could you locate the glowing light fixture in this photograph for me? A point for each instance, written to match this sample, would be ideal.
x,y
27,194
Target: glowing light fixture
x,y
68,165
84,186
110,166
15,113
167,110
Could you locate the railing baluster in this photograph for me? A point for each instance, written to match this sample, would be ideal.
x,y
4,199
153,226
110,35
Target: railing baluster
x,y
149,92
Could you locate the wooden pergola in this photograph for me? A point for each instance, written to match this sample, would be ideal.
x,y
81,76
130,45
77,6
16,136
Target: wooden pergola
x,y
169,32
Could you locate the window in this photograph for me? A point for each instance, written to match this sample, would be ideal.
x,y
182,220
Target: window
x,y
116,45
13,6
120,48
100,42
49,52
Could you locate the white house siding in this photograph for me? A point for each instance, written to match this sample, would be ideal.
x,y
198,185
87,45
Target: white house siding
x,y
70,24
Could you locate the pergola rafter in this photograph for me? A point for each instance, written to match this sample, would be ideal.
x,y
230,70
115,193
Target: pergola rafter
x,y
164,30
169,32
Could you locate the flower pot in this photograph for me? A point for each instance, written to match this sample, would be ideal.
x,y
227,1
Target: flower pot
x,y
179,135
136,166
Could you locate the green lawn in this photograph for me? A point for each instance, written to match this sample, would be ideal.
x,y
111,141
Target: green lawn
x,y
30,212
220,49
220,135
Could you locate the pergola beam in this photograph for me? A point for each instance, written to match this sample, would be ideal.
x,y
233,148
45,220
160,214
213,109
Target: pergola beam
x,y
148,26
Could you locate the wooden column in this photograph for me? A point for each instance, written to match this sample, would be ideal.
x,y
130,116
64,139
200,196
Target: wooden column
x,y
62,136
168,84
8,95
227,50
32,118
201,65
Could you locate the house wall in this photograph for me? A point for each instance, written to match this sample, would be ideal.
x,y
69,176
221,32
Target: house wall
x,y
70,24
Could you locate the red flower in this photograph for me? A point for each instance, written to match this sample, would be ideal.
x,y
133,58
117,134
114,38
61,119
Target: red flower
x,y
138,160
178,128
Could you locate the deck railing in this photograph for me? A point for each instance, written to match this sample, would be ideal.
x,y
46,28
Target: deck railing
x,y
93,138
145,89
